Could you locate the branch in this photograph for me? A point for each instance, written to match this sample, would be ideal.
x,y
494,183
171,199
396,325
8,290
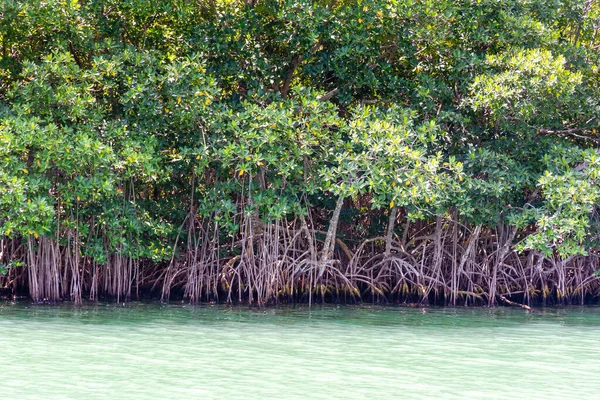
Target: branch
x,y
329,95
290,76
512,303
570,132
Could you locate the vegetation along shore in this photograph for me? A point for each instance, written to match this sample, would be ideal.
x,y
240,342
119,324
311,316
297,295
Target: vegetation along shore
x,y
264,151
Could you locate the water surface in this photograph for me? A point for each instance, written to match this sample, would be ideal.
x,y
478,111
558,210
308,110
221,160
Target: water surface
x,y
151,351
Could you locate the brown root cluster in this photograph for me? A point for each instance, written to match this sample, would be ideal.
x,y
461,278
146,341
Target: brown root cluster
x,y
443,262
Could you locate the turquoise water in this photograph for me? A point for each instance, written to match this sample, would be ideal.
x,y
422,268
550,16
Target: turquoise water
x,y
150,351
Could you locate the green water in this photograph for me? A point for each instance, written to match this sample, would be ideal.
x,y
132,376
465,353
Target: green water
x,y
146,351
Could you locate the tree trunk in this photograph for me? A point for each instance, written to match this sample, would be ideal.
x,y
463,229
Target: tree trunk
x,y
330,238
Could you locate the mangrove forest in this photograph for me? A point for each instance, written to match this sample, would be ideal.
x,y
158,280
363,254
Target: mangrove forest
x,y
266,151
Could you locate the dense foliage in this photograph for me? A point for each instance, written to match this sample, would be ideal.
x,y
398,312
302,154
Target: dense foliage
x,y
268,150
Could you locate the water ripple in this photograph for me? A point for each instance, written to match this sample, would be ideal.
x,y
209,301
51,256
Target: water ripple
x,y
149,351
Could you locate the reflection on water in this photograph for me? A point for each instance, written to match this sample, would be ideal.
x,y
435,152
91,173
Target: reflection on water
x,y
150,351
